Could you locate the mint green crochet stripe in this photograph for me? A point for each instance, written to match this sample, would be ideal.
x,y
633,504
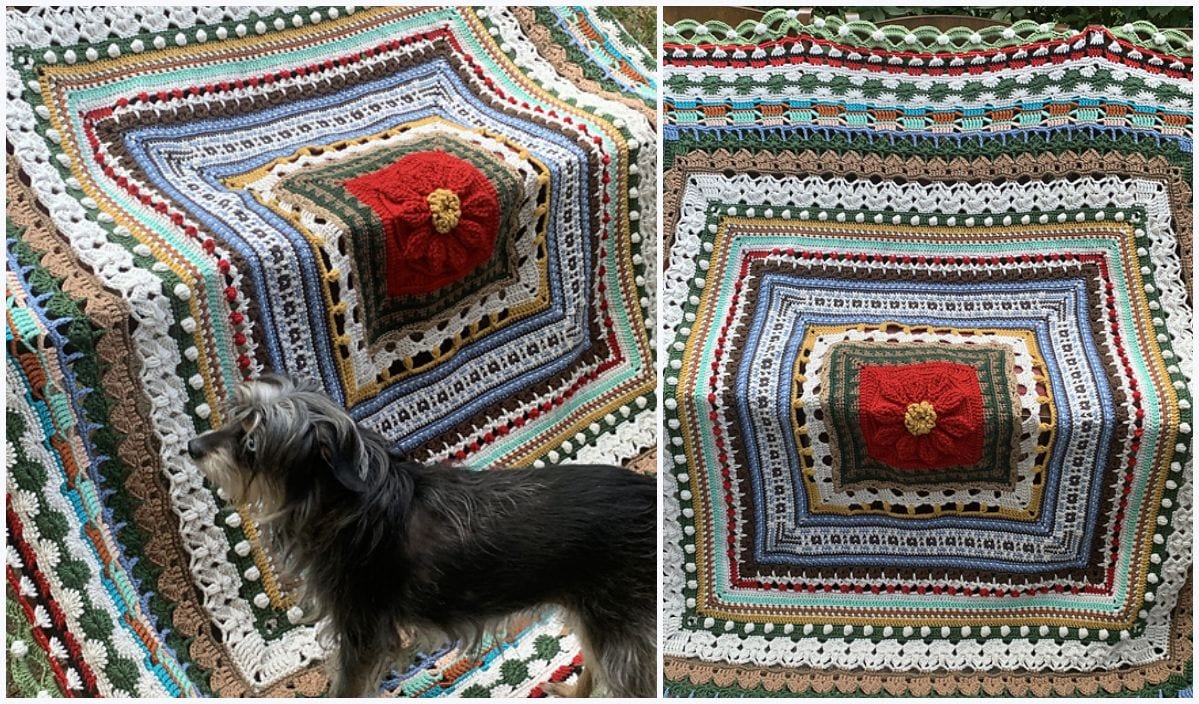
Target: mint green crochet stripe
x,y
92,513
1103,80
107,94
624,327
796,241
29,434
85,369
779,22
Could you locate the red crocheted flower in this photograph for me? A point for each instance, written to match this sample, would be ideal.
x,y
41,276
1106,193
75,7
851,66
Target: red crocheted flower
x,y
440,218
921,416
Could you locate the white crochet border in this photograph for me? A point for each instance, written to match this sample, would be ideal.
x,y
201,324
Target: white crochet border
x,y
774,194
262,663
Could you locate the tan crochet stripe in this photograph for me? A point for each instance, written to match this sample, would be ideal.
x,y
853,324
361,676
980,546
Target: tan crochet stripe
x,y
1066,164
1021,683
557,57
140,451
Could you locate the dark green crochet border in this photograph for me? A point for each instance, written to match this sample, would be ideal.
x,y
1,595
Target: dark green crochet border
x,y
83,334
774,141
1171,688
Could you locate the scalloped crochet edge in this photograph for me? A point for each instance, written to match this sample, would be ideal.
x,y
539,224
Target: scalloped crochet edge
x,y
780,22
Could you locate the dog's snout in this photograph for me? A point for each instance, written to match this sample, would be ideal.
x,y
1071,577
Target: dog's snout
x,y
195,449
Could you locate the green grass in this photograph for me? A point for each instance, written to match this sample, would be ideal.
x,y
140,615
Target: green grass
x,y
641,22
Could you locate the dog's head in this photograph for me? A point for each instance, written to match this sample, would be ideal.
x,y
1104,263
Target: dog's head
x,y
280,439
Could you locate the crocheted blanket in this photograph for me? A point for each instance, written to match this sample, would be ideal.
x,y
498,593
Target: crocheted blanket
x,y
444,215
927,401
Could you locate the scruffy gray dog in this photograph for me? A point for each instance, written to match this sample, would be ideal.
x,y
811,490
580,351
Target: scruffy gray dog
x,y
399,556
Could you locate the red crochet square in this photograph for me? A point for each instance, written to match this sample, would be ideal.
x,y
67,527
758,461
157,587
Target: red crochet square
x,y
921,416
429,245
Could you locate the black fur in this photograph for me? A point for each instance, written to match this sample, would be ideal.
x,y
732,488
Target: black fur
x,y
388,550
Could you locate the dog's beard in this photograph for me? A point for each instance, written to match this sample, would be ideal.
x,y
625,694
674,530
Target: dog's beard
x,y
240,487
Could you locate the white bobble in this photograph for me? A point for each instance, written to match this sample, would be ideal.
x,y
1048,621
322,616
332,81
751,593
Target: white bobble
x,y
242,548
297,21
976,38
295,613
252,573
181,39
114,51
91,53
201,36
260,27
233,520
222,33
279,24
138,46
196,382
188,324
878,35
160,43
182,291
261,600
191,353
50,57
943,39
203,410
18,649
910,39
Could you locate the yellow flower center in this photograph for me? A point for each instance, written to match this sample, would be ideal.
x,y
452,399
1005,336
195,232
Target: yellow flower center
x,y
446,209
920,418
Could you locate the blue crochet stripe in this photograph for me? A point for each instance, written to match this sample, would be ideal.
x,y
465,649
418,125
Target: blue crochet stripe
x,y
753,337
75,392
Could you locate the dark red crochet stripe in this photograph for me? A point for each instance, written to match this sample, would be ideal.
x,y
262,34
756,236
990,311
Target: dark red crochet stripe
x,y
231,292
560,675
1088,50
16,539
726,476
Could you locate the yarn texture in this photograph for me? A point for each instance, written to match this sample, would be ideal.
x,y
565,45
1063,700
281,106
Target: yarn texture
x,y
928,333
443,216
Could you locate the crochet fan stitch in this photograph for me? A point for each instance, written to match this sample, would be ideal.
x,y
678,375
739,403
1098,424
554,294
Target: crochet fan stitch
x,y
927,393
196,195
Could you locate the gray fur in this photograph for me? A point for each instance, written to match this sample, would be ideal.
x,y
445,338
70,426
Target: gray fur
x,y
395,556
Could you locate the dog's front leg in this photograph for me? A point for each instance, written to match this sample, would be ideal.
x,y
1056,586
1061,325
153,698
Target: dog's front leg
x,y
356,671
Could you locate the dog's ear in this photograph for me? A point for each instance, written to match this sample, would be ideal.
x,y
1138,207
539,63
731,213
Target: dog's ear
x,y
341,451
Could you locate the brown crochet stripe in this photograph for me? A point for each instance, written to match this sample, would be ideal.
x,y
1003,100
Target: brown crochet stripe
x,y
750,569
556,55
1018,683
1067,164
140,450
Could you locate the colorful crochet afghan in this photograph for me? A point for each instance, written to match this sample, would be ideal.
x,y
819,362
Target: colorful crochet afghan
x,y
444,215
927,316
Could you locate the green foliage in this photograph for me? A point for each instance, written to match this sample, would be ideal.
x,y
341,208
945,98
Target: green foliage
x,y
1073,16
640,21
